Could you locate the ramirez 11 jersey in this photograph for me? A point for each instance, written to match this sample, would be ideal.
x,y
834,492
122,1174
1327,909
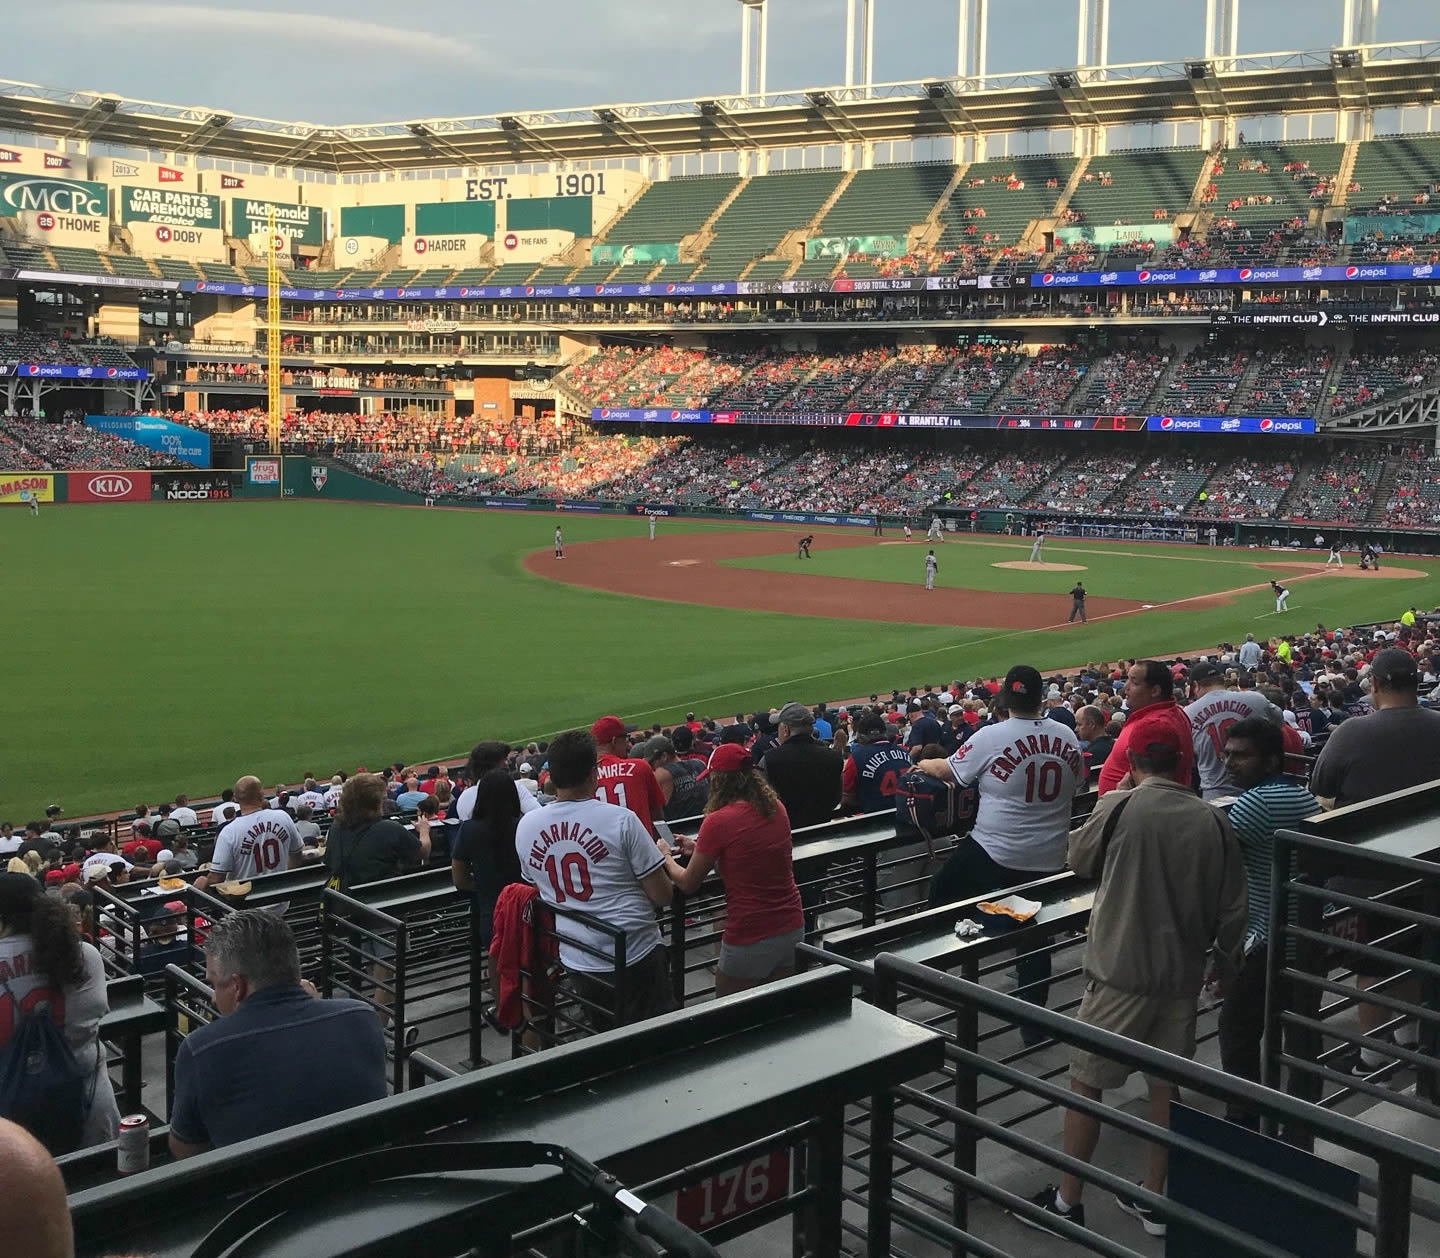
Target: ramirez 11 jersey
x,y
1027,772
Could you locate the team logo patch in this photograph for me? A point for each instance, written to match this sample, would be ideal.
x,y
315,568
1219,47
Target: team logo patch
x,y
318,477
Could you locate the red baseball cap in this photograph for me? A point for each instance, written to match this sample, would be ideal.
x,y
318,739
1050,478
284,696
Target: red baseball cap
x,y
607,729
727,758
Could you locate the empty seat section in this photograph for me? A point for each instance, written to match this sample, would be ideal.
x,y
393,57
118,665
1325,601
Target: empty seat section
x,y
1132,188
550,275
674,273
595,273
886,201
124,264
511,273
1270,183
79,261
769,269
1400,169
993,205
768,207
668,211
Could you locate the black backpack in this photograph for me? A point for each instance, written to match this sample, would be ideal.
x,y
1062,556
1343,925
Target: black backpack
x,y
41,1085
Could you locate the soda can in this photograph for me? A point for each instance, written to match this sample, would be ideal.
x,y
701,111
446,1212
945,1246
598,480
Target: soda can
x,y
132,1140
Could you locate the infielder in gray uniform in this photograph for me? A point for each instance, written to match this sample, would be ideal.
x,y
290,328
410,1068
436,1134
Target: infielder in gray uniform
x,y
1214,710
1037,548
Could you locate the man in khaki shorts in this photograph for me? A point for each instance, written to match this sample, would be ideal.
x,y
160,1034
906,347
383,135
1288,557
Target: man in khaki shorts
x,y
1172,881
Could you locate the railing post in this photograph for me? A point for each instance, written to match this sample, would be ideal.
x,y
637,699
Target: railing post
x,y
397,1009
870,879
1427,1082
477,990
882,1172
677,947
967,1099
327,985
172,1037
1392,1210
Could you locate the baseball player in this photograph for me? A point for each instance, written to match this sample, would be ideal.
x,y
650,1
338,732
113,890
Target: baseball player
x,y
804,549
1334,556
1037,547
879,530
1077,604
31,501
559,544
1213,534
651,520
936,533
1282,595
932,566
1214,710
907,531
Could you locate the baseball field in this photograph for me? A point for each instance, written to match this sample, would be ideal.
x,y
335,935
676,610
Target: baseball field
x,y
154,649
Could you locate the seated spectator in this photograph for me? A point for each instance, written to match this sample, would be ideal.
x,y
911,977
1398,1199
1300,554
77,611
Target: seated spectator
x,y
746,837
277,1055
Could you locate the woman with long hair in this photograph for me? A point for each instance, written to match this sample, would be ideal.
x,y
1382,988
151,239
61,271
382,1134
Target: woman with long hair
x,y
484,860
43,960
745,837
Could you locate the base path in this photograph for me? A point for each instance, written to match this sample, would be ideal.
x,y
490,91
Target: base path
x,y
686,568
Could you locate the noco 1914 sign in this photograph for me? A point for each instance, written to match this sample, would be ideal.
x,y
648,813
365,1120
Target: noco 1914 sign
x,y
170,206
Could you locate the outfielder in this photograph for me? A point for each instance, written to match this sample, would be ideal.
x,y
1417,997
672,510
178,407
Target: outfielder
x,y
1335,556
1282,595
559,544
931,567
1037,547
652,527
907,532
31,501
936,533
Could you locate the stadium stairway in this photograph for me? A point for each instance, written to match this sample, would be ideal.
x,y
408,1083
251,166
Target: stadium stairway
x,y
1384,490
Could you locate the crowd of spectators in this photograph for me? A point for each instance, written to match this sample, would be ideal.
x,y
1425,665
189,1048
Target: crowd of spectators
x,y
1290,380
1205,380
1414,500
37,445
62,350
1165,486
1340,488
1388,370
1247,489
1042,384
1084,483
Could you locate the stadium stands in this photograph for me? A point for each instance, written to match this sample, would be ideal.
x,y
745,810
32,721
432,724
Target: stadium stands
x,y
1414,498
1084,483
1136,188
763,212
1340,488
39,445
994,203
1288,380
670,209
1389,369
1043,383
1165,486
886,201
1009,480
1119,383
1394,172
1204,382
1270,183
1247,489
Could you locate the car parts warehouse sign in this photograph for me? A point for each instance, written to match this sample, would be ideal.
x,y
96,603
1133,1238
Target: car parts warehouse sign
x,y
170,206
302,224
43,194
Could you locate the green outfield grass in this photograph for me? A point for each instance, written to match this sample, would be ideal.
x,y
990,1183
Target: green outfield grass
x,y
155,649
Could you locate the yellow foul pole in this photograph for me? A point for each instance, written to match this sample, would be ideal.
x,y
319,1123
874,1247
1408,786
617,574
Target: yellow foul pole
x,y
272,329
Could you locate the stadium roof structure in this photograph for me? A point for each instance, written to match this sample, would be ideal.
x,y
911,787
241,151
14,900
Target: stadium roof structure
x,y
1362,78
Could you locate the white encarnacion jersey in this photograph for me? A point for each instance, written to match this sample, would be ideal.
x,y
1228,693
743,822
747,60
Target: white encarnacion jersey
x,y
1211,717
1027,772
256,843
590,856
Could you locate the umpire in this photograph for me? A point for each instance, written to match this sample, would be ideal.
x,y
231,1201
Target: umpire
x,y
1077,604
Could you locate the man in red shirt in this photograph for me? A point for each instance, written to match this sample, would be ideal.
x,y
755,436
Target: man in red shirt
x,y
142,849
629,783
1150,697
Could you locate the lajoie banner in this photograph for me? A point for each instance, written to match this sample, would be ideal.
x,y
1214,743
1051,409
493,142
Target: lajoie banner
x,y
192,487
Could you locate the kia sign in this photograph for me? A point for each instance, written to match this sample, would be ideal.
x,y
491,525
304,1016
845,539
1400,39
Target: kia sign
x,y
109,487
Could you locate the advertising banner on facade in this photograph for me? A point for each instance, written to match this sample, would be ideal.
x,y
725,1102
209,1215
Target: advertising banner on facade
x,y
461,249
55,371
52,194
108,487
1391,226
1159,233
160,240
123,170
192,486
157,434
841,247
171,206
624,255
263,471
301,224
15,160
36,485
532,246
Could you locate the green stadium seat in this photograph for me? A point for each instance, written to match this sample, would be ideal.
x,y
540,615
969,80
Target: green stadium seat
x,y
125,264
756,220
1001,207
1289,191
431,277
820,269
362,279
1399,168
551,275
674,273
511,273
177,269
592,274
668,211
398,278
1140,183
222,272
886,201
770,269
471,275
78,261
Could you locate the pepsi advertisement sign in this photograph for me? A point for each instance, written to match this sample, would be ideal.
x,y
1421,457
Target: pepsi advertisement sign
x,y
54,371
1386,271
650,415
1270,426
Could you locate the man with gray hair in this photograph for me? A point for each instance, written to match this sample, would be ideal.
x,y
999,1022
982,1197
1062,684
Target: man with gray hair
x,y
1250,653
277,1055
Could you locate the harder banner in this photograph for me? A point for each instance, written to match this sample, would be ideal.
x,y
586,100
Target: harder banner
x,y
624,255
842,247
1159,233
108,487
193,487
35,485
1404,226
157,434
300,224
170,206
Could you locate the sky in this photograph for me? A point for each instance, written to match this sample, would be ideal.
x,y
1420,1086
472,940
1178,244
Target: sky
x,y
325,62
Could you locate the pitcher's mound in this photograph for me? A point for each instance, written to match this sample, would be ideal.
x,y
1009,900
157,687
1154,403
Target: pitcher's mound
x,y
1026,566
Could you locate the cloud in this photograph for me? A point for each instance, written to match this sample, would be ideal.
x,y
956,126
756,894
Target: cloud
x,y
319,31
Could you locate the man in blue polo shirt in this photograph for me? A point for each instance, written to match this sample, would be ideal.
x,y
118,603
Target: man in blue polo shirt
x,y
278,1055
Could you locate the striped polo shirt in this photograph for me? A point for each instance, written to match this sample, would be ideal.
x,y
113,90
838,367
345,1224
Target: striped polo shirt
x,y
1275,804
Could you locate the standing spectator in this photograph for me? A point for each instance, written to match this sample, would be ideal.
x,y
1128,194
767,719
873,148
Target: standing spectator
x,y
259,841
183,813
585,853
1254,759
1172,882
1150,698
484,860
1027,770
623,780
746,836
1214,710
803,771
1250,653
45,962
226,810
277,1055
679,779
485,756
